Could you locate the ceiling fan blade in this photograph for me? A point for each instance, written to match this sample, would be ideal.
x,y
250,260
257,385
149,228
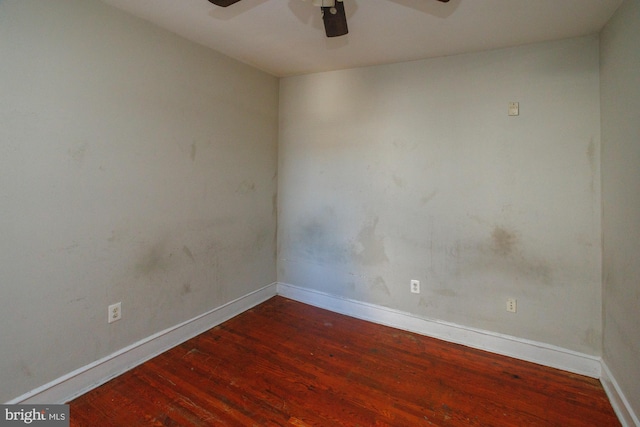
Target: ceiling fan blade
x,y
335,20
225,3
444,1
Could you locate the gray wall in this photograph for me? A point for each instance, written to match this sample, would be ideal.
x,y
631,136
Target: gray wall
x,y
620,99
138,167
415,171
135,167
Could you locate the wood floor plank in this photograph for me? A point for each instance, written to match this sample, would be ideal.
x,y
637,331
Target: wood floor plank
x,y
284,363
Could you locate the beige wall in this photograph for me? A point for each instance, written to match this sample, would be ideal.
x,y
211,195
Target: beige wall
x,y
134,166
620,99
415,171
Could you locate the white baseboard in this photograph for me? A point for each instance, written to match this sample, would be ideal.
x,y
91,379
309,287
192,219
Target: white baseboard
x,y
99,372
620,404
531,351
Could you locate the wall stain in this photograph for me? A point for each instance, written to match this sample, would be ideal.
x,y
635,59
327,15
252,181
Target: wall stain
x,y
591,157
446,292
504,241
398,181
369,249
455,250
403,145
538,269
274,205
78,152
79,299
423,302
25,369
591,151
194,152
380,285
591,338
186,289
260,239
188,252
246,187
116,236
426,199
317,243
505,254
71,247
274,214
152,261
514,262
221,292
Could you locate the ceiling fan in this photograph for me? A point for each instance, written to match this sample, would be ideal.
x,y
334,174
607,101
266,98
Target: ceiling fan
x,y
333,15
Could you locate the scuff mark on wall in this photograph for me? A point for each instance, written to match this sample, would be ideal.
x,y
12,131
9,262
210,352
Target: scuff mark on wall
x,y
426,199
404,145
187,251
78,152
369,248
69,249
423,302
380,285
24,368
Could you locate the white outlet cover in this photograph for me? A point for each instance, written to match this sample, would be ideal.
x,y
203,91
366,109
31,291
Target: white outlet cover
x,y
114,312
415,286
514,108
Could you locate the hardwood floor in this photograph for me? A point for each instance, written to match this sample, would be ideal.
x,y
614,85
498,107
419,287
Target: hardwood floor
x,y
284,363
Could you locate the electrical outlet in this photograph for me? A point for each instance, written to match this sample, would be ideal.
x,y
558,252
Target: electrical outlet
x,y
512,305
514,108
415,286
115,312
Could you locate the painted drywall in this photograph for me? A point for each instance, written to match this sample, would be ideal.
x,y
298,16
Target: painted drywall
x,y
134,166
415,171
620,105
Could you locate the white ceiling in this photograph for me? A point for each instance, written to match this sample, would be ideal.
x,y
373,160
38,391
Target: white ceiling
x,y
286,37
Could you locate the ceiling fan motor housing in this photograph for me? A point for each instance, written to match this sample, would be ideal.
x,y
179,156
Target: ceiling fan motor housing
x,y
335,19
333,14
